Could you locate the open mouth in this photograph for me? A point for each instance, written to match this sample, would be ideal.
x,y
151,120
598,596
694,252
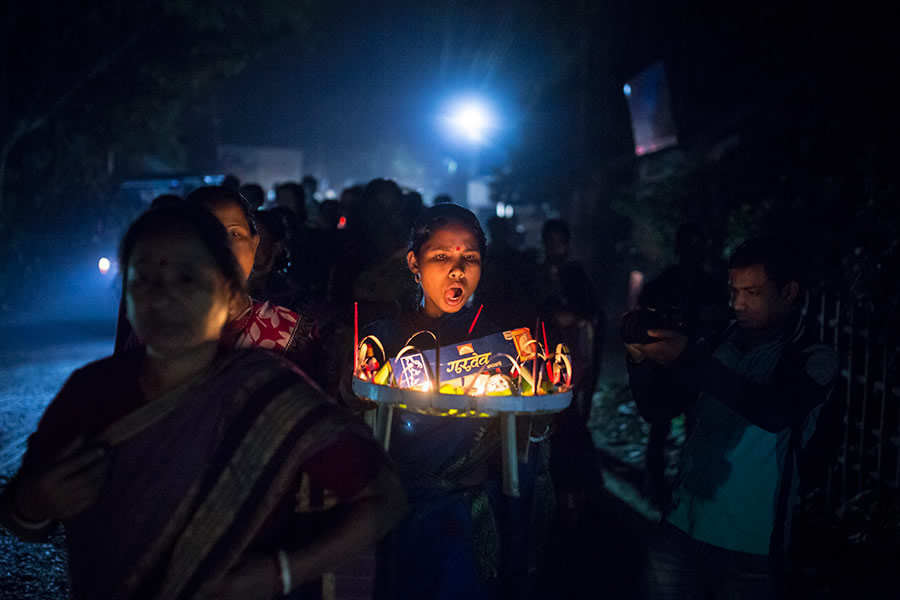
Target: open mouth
x,y
454,294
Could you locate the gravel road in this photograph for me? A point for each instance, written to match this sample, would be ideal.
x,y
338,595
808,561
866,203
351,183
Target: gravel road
x,y
35,360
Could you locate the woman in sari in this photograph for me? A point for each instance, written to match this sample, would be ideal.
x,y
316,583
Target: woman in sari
x,y
174,466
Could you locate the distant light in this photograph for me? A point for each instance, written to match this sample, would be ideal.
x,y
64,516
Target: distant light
x,y
342,222
452,166
104,265
627,89
509,211
208,179
472,118
330,194
501,209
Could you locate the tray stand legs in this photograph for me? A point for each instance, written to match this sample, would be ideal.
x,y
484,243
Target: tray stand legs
x,y
510,455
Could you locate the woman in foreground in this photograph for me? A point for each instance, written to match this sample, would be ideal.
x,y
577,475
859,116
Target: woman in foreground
x,y
174,466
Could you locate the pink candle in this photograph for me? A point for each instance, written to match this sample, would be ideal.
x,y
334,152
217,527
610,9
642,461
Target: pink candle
x,y
475,320
355,337
534,366
547,351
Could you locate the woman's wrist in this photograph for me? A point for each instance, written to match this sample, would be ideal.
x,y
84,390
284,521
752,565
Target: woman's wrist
x,y
27,519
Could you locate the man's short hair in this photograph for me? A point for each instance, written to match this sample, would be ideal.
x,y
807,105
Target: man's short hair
x,y
555,227
778,257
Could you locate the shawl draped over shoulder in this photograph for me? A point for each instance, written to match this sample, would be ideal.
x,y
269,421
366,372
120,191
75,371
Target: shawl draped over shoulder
x,y
196,474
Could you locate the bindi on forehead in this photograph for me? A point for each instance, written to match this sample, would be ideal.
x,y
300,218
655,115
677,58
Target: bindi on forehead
x,y
457,248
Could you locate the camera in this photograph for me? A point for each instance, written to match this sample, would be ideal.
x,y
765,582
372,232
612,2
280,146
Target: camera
x,y
636,323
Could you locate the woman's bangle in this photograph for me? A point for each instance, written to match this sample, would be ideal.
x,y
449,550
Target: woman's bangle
x,y
25,523
9,498
284,568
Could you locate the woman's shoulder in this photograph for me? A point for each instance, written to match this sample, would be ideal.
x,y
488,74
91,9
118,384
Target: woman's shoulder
x,y
123,364
270,326
259,365
274,315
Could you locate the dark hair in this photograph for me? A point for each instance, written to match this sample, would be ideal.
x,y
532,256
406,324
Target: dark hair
x,y
779,258
434,217
254,193
273,224
211,196
166,200
203,224
299,192
555,227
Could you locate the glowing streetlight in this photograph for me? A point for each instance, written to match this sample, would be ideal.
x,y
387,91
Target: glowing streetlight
x,y
472,118
104,265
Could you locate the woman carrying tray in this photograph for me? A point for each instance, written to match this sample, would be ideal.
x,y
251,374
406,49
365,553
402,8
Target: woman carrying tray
x,y
450,545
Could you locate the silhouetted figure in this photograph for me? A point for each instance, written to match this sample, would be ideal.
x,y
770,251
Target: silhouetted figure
x,y
381,283
292,196
231,181
166,200
570,313
507,289
329,215
311,188
412,206
255,195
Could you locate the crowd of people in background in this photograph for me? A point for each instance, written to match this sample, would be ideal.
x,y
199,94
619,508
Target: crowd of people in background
x,y
220,451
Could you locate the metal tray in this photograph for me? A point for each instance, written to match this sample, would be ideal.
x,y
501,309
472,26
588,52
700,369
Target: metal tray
x,y
456,405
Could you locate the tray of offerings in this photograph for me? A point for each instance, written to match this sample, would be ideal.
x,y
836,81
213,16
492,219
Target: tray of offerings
x,y
459,405
495,376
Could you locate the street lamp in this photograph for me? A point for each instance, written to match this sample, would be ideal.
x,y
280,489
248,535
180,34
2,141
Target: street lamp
x,y
471,118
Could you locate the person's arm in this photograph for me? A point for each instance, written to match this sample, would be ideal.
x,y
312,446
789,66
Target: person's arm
x,y
365,517
61,473
660,393
40,496
370,514
800,382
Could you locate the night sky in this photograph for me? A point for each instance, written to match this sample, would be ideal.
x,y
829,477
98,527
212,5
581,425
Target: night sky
x,y
374,74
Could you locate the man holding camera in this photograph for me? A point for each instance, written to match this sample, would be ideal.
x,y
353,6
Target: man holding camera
x,y
758,390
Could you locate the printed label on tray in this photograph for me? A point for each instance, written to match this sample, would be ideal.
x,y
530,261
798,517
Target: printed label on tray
x,y
461,362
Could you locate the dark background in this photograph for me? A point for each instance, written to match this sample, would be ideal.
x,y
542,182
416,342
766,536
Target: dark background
x,y
785,117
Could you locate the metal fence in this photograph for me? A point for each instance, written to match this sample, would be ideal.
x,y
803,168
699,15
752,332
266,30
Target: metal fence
x,y
868,460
